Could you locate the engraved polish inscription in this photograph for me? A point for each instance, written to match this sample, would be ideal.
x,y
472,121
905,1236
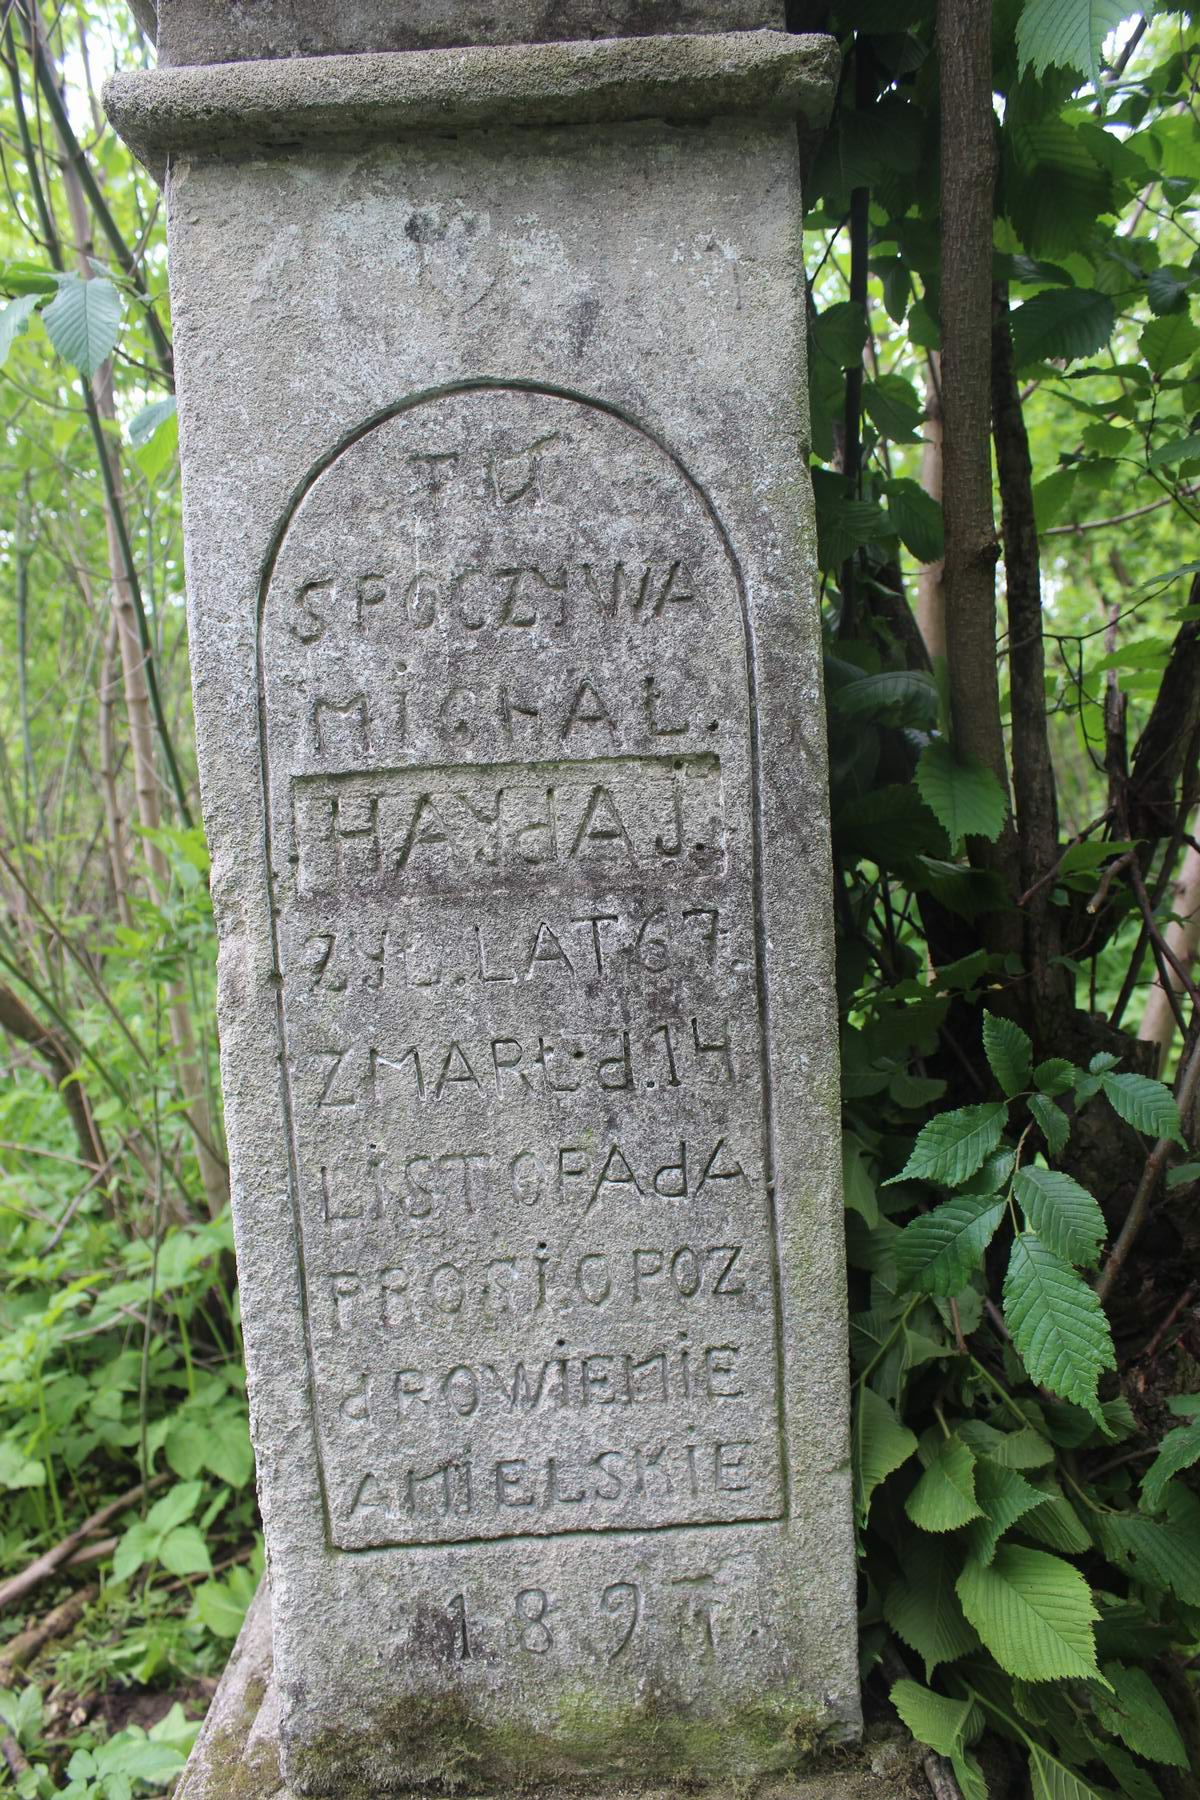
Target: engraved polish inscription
x,y
508,763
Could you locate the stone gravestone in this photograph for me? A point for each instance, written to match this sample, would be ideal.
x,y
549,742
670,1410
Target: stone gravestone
x,y
506,666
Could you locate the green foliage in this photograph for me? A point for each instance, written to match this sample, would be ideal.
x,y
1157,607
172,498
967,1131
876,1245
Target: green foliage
x,y
83,320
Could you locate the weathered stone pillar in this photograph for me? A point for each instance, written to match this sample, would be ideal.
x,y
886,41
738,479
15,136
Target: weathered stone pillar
x,y
506,665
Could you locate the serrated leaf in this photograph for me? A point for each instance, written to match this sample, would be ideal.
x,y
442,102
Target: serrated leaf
x,y
1160,1555
1034,1613
1053,186
1057,1324
1023,1449
969,1775
922,1607
1053,1780
894,407
1056,1524
916,518
1136,1712
1009,1053
1061,324
1052,1121
1069,34
962,794
940,1251
14,321
881,1445
1167,288
953,1145
944,1497
83,321
1179,449
1134,1781
1179,1450
1063,1214
1169,341
1055,1076
901,696
1146,1104
1005,1497
933,1719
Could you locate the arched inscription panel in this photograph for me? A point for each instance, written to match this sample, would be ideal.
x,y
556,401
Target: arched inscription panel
x,y
506,701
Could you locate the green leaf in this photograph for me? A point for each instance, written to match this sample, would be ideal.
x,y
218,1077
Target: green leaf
x,y
933,1719
944,1497
229,1454
1054,188
1179,1450
1052,1121
1069,34
1061,324
1023,1449
881,1446
186,1446
1162,1556
1056,1524
144,424
962,793
1064,1214
14,322
1009,1053
184,1552
1005,1497
1167,288
1034,1613
940,1251
894,408
1053,1780
178,1504
1167,342
899,696
922,1607
135,1548
1146,1104
1136,1712
83,321
17,1470
858,1189
1057,1324
916,518
1179,449
221,1605
954,1144
1055,1076
840,334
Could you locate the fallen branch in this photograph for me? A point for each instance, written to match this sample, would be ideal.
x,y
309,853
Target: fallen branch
x,y
19,1585
20,1650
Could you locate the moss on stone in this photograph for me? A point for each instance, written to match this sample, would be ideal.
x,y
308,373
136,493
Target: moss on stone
x,y
445,1748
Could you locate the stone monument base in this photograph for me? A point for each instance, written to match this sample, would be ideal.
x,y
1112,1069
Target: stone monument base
x,y
236,1756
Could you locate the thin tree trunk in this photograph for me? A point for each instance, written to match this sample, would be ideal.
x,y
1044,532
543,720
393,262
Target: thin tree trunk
x,y
1034,790
1183,939
967,175
931,599
213,1172
114,818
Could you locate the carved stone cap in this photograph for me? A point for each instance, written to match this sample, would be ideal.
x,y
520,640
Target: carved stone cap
x,y
206,31
350,100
